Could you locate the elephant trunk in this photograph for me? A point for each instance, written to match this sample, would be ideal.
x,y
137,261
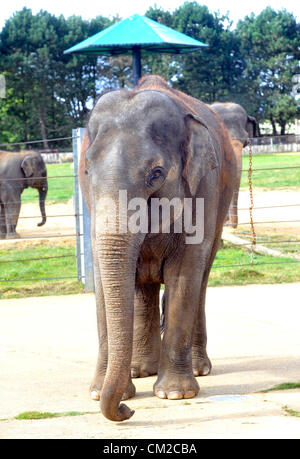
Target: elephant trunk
x,y
117,255
42,197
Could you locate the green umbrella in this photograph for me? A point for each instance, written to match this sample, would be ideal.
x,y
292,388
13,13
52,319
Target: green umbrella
x,y
137,35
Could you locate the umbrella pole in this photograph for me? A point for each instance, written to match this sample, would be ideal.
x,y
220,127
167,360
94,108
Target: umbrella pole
x,y
136,65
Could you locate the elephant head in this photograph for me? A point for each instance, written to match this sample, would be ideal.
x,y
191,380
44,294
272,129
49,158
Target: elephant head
x,y
240,125
35,172
145,143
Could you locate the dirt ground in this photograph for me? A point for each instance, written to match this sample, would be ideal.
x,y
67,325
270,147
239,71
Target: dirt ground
x,y
288,211
48,349
60,227
60,220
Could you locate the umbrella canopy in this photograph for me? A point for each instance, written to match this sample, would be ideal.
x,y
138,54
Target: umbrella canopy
x,y
137,35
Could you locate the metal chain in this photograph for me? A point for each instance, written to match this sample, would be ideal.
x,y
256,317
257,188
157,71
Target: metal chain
x,y
253,242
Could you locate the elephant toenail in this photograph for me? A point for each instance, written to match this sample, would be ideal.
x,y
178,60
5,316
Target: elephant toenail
x,y
161,394
174,395
205,371
196,372
189,394
134,373
95,395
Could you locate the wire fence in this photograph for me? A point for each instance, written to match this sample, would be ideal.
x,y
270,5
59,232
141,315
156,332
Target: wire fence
x,y
250,238
9,212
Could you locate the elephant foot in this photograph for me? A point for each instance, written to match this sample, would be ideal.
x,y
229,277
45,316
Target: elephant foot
x,y
95,390
200,362
96,386
176,387
144,368
145,358
2,235
130,391
201,367
233,222
13,236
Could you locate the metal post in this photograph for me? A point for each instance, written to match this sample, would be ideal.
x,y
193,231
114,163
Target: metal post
x,y
136,65
76,149
83,231
87,251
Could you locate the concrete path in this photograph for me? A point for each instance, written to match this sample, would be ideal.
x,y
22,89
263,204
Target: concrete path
x,y
48,349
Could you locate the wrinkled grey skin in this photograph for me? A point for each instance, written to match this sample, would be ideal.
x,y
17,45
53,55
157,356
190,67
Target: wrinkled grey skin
x,y
129,135
17,172
240,126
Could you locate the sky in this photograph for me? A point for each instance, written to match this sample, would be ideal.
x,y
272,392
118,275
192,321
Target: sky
x,y
91,8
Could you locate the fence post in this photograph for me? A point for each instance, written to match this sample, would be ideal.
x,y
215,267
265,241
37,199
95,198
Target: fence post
x,y
84,258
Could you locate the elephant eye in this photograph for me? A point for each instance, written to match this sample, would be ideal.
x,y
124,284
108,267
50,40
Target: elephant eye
x,y
157,173
156,176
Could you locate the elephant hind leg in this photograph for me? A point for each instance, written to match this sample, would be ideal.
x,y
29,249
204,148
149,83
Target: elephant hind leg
x,y
232,217
146,335
200,361
12,215
233,209
11,205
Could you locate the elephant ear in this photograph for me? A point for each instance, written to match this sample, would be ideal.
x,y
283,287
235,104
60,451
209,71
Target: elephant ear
x,y
252,127
28,165
201,156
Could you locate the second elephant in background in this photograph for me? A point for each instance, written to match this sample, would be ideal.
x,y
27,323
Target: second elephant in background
x,y
240,126
17,172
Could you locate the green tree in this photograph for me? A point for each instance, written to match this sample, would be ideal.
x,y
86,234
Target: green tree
x,y
165,65
211,73
50,91
270,47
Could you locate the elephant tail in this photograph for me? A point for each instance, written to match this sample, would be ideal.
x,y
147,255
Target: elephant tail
x,y
162,317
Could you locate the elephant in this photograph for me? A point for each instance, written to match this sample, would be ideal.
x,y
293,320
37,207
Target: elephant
x,y
240,126
17,172
152,143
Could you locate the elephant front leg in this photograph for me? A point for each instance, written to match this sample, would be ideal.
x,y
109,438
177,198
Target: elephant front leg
x,y
102,360
101,366
146,335
2,222
175,375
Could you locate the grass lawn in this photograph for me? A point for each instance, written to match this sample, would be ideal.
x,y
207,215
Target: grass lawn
x,y
266,269
276,178
286,244
63,265
223,271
